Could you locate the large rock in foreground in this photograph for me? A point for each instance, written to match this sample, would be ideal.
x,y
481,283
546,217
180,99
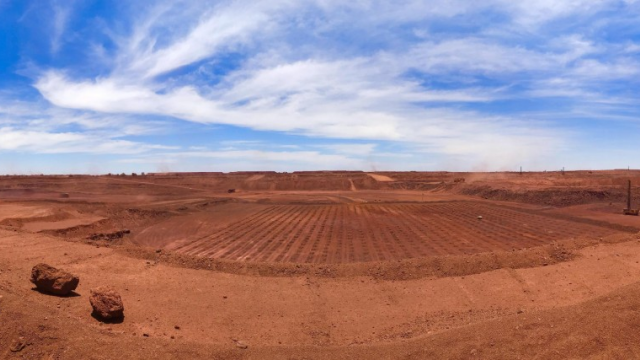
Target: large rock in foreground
x,y
53,281
106,303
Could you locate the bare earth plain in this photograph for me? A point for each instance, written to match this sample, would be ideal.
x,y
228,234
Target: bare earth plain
x,y
325,265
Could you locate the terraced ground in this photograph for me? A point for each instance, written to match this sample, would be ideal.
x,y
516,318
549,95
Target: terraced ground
x,y
344,233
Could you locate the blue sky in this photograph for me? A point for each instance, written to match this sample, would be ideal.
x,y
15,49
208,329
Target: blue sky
x,y
123,86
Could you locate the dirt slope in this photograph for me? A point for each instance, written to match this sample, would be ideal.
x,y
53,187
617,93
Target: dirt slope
x,y
522,312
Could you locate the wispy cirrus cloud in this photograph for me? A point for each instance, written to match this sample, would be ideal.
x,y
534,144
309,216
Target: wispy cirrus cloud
x,y
69,142
221,27
36,127
61,14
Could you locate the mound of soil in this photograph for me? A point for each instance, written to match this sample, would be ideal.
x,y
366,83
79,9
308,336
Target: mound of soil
x,y
109,236
54,215
551,197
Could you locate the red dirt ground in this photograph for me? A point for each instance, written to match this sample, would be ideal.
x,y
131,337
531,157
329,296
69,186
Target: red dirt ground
x,y
325,265
374,232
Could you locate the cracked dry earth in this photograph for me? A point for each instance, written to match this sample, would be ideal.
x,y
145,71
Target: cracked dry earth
x,y
588,307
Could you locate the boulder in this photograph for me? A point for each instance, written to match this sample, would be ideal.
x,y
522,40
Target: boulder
x,y
106,303
53,281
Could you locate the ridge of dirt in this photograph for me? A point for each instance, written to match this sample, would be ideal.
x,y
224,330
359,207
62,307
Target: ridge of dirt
x,y
56,215
599,223
116,219
552,197
381,178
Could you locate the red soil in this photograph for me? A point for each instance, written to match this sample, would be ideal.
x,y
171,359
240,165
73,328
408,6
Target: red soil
x,y
324,265
373,232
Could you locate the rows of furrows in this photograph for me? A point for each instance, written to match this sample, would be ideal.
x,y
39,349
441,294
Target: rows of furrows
x,y
344,233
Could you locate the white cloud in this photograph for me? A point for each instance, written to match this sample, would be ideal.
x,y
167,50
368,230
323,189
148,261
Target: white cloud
x,y
632,48
36,127
43,117
533,13
590,69
61,13
350,149
236,160
285,82
67,142
224,25
472,55
345,100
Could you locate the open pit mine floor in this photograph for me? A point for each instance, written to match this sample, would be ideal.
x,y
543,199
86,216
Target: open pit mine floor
x,y
371,232
324,265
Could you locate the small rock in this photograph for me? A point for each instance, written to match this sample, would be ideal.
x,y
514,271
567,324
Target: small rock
x,y
51,280
158,251
18,345
106,303
177,327
474,352
479,217
520,311
241,345
145,335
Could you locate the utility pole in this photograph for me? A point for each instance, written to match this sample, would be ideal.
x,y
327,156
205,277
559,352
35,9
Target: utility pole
x,y
629,210
629,195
